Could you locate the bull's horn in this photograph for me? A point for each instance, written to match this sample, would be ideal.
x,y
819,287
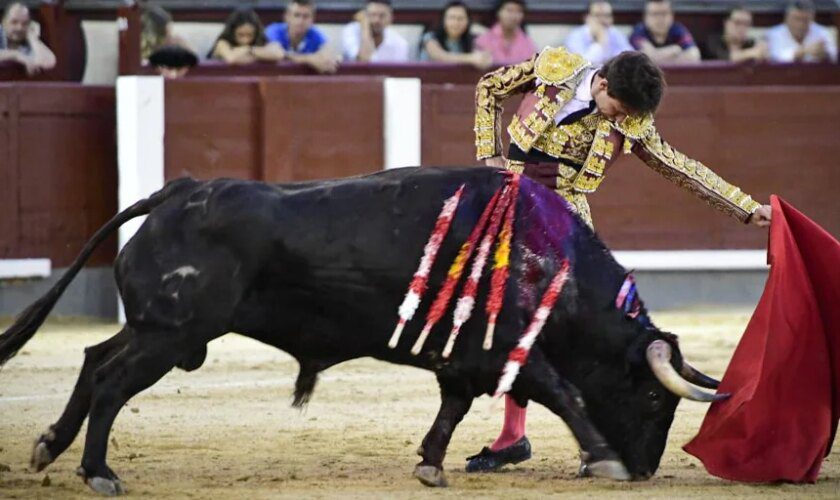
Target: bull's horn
x,y
697,377
659,359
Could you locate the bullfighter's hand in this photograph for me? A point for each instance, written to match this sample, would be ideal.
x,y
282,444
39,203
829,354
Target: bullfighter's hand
x,y
762,216
496,161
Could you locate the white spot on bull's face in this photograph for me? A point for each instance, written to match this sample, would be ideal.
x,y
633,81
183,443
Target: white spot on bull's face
x,y
182,271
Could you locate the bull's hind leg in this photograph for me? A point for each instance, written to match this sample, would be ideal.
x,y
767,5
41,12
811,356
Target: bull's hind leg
x,y
61,434
146,358
455,402
539,382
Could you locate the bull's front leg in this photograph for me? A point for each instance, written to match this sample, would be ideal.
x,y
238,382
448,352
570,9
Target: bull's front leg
x,y
454,405
540,382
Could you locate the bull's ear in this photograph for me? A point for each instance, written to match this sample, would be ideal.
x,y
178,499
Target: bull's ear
x,y
636,352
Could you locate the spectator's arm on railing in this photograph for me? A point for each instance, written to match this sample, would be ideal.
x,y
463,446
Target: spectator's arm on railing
x,y
270,52
323,61
477,59
233,55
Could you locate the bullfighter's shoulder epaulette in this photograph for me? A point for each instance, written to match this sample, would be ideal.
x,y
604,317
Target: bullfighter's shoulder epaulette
x,y
556,65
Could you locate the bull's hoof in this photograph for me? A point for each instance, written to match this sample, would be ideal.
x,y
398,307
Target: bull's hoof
x,y
41,456
430,476
109,487
106,487
609,469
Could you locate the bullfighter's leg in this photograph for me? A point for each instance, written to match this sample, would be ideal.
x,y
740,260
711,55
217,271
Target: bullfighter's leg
x,y
454,404
511,447
539,382
61,434
146,358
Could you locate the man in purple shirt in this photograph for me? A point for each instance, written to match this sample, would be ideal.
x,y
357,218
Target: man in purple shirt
x,y
662,39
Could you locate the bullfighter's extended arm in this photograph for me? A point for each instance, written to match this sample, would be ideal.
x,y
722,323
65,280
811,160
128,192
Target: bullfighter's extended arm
x,y
694,176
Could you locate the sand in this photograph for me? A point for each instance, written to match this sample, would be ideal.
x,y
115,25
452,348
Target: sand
x,y
227,430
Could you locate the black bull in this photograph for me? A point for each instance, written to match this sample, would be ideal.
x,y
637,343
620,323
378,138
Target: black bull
x,y
318,270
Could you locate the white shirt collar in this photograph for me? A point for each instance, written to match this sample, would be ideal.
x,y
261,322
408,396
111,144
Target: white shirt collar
x,y
584,89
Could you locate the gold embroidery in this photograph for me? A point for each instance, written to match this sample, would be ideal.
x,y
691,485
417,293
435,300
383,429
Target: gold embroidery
x,y
556,65
599,157
695,177
491,90
571,141
517,167
579,204
524,132
636,126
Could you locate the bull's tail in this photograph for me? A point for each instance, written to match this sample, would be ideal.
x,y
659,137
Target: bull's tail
x,y
25,326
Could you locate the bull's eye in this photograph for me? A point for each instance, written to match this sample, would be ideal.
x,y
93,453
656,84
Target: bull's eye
x,y
655,399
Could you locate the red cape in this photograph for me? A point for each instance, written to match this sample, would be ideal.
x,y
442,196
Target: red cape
x,y
785,374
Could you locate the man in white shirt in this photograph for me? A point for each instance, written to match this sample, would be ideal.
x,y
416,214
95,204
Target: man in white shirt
x,y
598,40
799,38
19,40
370,38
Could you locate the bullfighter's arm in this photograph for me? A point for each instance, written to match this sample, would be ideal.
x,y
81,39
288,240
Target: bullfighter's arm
x,y
694,176
492,89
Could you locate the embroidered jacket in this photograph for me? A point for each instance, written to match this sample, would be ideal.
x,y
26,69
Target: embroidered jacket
x,y
549,81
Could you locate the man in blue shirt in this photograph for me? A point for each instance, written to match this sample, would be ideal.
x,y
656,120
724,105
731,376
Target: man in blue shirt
x,y
303,42
661,38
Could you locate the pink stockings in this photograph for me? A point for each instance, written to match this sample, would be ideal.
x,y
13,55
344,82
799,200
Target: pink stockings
x,y
514,427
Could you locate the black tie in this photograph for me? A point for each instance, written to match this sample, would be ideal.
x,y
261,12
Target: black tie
x,y
577,115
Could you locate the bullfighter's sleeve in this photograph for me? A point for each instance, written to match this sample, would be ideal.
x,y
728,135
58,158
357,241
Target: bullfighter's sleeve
x,y
694,176
491,90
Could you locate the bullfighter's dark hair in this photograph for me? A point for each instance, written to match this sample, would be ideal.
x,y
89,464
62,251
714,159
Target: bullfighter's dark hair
x,y
634,79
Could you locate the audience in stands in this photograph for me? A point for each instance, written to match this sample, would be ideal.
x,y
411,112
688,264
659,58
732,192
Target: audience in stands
x,y
799,38
735,44
243,40
158,32
20,42
598,40
370,37
661,38
302,41
507,41
452,39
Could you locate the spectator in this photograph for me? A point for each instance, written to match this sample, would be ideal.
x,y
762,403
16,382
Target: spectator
x,y
243,40
662,39
452,40
19,40
799,38
506,41
371,39
735,44
303,42
158,33
598,40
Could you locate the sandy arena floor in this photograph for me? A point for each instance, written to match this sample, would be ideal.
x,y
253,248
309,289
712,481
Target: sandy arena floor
x,y
227,430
